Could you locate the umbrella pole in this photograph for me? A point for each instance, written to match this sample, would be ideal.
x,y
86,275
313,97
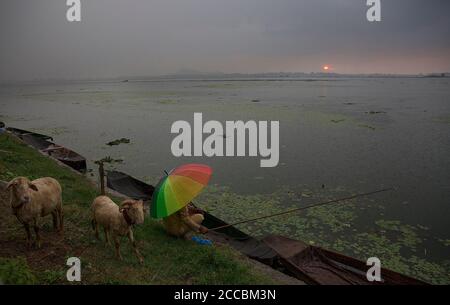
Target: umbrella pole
x,y
302,208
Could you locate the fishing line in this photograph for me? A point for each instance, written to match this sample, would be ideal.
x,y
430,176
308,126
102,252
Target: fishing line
x,y
302,208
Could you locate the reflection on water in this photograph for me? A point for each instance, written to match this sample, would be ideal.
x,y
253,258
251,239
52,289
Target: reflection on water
x,y
356,135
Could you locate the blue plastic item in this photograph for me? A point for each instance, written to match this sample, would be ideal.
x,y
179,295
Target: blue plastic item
x,y
201,241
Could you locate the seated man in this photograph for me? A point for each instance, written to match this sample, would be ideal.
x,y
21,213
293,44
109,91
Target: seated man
x,y
185,222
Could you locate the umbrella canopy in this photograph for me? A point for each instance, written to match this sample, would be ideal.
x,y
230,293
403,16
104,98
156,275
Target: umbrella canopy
x,y
178,188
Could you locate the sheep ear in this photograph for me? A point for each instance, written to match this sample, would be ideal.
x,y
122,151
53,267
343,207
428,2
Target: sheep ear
x,y
33,187
10,183
125,206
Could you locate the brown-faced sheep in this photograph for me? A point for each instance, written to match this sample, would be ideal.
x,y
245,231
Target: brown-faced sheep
x,y
31,200
118,221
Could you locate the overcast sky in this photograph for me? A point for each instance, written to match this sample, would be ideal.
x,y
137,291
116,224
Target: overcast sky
x,y
144,37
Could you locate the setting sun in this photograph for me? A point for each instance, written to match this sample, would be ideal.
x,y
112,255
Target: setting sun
x,y
326,68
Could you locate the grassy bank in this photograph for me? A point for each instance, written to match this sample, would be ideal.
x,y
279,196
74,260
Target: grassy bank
x,y
167,260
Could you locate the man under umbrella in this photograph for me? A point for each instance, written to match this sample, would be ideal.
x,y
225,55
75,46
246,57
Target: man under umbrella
x,y
171,200
185,222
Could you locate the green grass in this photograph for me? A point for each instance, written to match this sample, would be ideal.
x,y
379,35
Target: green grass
x,y
167,260
15,271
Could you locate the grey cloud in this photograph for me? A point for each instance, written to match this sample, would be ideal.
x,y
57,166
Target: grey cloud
x,y
137,37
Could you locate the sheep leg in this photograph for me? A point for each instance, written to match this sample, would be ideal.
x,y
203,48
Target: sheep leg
x,y
94,224
55,220
136,251
117,244
108,241
38,236
61,220
27,229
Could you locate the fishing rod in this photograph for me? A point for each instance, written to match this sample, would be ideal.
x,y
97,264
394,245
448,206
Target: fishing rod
x,y
302,208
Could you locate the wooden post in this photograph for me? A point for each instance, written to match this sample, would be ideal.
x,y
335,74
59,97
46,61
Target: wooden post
x,y
101,173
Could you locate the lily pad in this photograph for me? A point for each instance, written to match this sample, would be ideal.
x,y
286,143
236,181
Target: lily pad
x,y
118,142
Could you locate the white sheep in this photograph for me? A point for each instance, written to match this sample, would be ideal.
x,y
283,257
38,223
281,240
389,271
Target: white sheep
x,y
118,221
31,200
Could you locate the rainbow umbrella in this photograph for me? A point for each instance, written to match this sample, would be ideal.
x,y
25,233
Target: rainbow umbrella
x,y
178,188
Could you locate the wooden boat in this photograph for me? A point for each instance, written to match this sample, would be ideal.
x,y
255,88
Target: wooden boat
x,y
311,264
68,157
317,266
129,186
21,132
63,154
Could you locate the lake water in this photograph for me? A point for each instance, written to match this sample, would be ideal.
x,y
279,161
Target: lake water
x,y
337,137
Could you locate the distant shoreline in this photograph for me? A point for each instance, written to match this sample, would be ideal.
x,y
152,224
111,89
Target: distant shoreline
x,y
299,77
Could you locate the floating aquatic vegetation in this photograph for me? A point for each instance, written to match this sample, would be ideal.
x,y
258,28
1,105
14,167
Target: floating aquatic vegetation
x,y
323,117
108,159
168,101
221,86
442,119
118,141
375,112
337,121
326,118
55,131
344,227
367,126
